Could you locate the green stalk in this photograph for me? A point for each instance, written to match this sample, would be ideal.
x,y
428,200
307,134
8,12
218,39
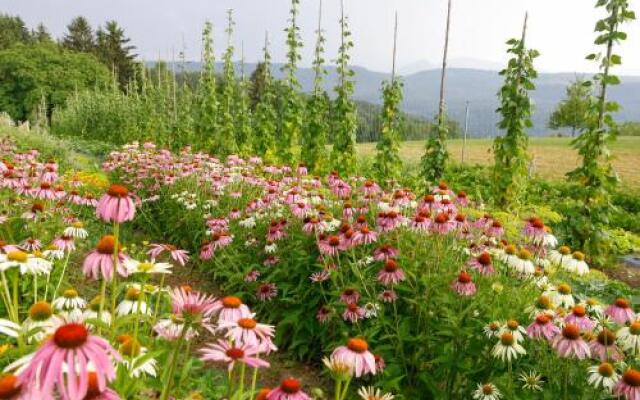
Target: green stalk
x,y
241,383
64,269
254,380
172,363
338,389
103,294
345,390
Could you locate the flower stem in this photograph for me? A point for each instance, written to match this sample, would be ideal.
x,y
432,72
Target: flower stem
x,y
254,380
172,363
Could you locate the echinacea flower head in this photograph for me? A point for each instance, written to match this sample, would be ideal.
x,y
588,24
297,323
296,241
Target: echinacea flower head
x,y
543,327
356,353
620,311
569,343
464,285
487,391
70,300
12,389
99,264
178,255
9,328
76,230
629,338
531,381
116,205
231,308
629,385
72,345
248,331
223,351
603,376
371,393
508,349
604,346
339,369
147,267
289,389
193,307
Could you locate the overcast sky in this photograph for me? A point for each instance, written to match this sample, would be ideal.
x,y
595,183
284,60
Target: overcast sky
x,y
561,29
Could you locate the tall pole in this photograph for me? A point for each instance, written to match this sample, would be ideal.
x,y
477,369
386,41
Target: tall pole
x,y
466,128
441,109
395,43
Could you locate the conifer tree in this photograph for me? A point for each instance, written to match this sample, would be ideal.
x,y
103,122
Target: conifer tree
x,y
265,121
225,138
314,137
388,165
79,36
244,130
343,155
206,120
114,50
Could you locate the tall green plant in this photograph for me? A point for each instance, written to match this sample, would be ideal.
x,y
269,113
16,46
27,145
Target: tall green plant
x,y
388,165
225,140
244,130
206,120
510,150
595,175
314,136
266,118
434,160
343,155
293,106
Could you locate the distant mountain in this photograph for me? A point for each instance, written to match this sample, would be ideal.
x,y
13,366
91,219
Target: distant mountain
x,y
475,85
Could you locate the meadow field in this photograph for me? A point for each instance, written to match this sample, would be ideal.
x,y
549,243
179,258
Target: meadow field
x,y
553,156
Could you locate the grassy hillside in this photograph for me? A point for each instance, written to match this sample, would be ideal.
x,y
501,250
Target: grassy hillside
x,y
553,157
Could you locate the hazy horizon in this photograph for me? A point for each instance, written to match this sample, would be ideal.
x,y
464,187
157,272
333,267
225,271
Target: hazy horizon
x,y
561,31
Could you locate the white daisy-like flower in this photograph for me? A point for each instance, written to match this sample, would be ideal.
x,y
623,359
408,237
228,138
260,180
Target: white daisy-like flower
x,y
9,328
137,361
603,376
487,391
563,296
133,303
28,263
371,393
560,257
507,349
70,300
271,248
371,310
629,338
513,327
90,314
76,230
147,267
492,329
41,322
53,253
249,222
576,264
531,381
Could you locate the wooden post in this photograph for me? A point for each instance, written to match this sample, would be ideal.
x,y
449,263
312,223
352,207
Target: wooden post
x,y
441,108
395,43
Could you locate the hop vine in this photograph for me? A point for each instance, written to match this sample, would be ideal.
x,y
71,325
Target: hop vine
x,y
225,142
206,120
266,118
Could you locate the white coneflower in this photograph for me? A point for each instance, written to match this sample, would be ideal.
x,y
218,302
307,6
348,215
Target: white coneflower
x,y
371,310
41,320
531,381
492,329
560,257
371,393
248,223
522,263
70,300
629,338
91,313
133,303
515,329
603,376
487,391
576,264
28,263
147,267
9,328
507,349
76,230
53,253
270,247
564,297
135,359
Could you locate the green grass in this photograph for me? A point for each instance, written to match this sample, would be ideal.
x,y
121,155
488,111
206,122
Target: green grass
x,y
553,157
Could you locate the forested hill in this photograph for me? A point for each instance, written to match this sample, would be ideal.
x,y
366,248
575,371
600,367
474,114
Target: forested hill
x,y
477,86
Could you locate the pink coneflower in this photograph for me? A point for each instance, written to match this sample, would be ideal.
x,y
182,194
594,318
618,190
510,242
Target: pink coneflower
x,y
534,228
65,243
12,389
482,263
99,263
385,251
271,260
95,393
31,245
421,221
252,276
71,344
569,344
341,189
543,327
50,172
370,188
579,317
330,246
223,351
231,308
356,354
234,213
44,192
463,285
116,205
353,313
314,225
177,255
323,314
462,199
620,311
364,235
267,291
604,346
629,385
390,274
495,230
300,209
350,295
220,239
319,276
442,224
193,307
250,332
388,296
289,389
